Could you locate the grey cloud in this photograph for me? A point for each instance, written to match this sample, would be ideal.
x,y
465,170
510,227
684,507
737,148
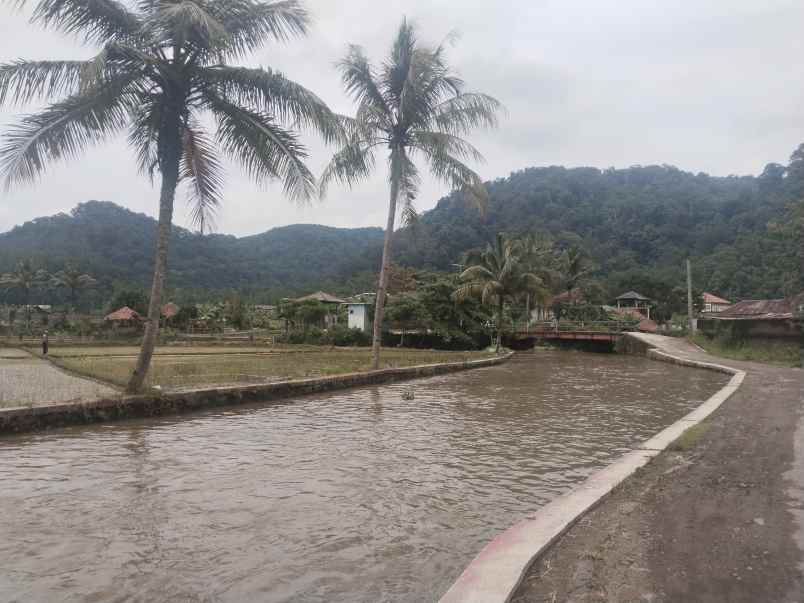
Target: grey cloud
x,y
711,85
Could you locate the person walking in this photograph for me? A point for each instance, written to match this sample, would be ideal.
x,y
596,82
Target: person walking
x,y
44,344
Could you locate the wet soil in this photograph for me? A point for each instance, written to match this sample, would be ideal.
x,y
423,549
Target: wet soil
x,y
713,520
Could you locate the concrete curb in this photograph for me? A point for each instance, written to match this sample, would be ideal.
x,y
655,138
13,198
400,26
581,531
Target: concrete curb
x,y
36,418
495,574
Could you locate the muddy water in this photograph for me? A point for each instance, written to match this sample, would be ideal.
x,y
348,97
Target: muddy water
x,y
350,496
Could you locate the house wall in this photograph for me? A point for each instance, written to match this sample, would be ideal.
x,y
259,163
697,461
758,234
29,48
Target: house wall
x,y
358,317
750,329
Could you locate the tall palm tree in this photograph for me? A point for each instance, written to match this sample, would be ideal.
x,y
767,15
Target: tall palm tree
x,y
163,66
574,268
25,278
497,275
538,257
415,107
74,281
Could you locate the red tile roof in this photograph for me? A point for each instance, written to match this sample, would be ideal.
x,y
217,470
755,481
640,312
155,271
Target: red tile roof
x,y
714,299
576,295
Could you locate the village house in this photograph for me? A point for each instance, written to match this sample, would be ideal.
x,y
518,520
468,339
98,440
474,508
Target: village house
x,y
712,304
756,319
332,302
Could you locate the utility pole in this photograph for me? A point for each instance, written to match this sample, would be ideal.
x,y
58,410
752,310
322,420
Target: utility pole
x,y
690,316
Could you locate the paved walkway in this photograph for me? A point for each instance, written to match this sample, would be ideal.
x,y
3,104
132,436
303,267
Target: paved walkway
x,y
718,519
29,381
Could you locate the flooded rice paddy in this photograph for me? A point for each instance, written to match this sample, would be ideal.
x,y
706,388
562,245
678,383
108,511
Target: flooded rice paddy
x,y
348,496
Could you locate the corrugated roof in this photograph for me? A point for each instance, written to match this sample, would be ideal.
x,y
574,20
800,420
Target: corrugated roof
x,y
759,309
633,295
710,298
322,297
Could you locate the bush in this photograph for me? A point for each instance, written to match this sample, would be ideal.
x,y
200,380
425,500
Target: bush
x,y
346,337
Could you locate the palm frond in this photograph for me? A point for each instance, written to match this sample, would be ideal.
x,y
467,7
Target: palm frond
x,y
186,22
202,169
466,112
397,70
97,21
444,143
22,82
251,24
457,175
405,177
350,165
359,82
268,91
143,136
265,149
63,130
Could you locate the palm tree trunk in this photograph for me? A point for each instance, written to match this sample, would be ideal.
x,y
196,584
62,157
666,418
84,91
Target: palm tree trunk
x,y
499,325
170,179
527,312
379,304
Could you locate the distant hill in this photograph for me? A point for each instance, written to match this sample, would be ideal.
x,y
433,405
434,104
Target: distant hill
x,y
116,246
637,224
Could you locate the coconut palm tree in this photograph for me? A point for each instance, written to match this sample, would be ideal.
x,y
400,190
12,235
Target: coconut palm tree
x,y
496,276
414,106
74,281
163,74
538,257
25,278
574,268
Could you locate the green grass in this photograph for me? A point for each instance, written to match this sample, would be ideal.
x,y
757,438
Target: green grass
x,y
779,353
222,367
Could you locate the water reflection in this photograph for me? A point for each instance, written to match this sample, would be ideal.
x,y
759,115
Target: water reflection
x,y
350,496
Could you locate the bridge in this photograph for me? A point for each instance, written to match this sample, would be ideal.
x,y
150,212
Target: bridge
x,y
609,331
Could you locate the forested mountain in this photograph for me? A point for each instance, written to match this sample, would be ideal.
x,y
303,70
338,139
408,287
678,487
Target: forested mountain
x,y
116,246
637,225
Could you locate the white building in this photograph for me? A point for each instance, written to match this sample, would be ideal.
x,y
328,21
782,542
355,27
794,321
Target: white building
x,y
358,316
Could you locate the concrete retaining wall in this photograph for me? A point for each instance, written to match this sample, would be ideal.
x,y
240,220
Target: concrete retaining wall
x,y
17,420
495,574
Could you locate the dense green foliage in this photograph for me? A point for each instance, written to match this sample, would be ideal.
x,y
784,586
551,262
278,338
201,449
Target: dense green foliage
x,y
116,246
638,225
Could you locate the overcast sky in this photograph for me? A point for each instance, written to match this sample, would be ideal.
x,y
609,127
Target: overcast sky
x,y
706,85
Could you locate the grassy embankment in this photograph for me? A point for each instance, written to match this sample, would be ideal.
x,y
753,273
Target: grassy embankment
x,y
176,368
780,353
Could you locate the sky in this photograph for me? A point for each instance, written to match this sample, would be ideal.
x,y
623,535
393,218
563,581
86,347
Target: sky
x,y
710,86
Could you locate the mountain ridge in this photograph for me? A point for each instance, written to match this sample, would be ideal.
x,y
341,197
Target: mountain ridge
x,y
637,224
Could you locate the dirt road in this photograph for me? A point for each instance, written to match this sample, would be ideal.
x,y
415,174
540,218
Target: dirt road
x,y
717,519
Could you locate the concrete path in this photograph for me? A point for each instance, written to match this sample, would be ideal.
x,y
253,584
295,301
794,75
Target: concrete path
x,y
720,518
29,381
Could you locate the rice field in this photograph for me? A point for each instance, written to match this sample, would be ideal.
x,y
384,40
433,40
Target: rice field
x,y
181,368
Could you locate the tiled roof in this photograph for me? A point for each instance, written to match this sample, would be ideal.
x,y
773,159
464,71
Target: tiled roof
x,y
322,297
759,309
714,299
124,313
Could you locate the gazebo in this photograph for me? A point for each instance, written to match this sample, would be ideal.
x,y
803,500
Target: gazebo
x,y
124,314
632,299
